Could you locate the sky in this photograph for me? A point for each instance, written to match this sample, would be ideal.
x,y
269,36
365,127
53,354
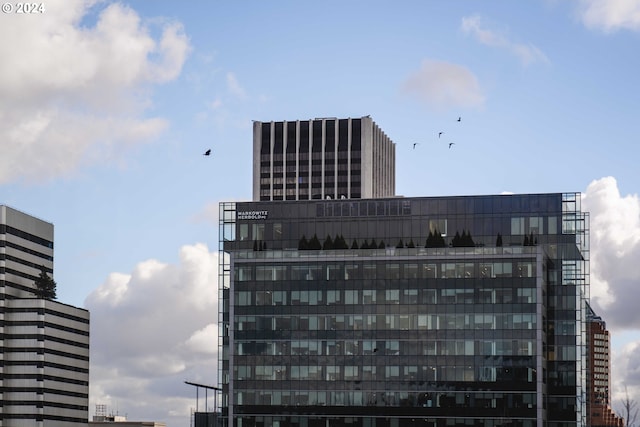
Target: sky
x,y
106,108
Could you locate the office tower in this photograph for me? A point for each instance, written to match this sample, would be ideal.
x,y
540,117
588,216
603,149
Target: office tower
x,y
598,379
435,311
44,346
324,158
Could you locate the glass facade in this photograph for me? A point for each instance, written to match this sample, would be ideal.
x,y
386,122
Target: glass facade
x,y
404,311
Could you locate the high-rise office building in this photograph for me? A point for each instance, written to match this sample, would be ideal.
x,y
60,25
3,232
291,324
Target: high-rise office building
x,y
598,379
44,345
390,311
387,312
324,158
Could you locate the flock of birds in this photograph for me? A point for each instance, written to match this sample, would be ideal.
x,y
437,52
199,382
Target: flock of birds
x,y
208,152
439,136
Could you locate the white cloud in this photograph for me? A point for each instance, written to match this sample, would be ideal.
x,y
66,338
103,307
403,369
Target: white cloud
x,y
615,250
151,330
71,94
527,53
611,15
441,84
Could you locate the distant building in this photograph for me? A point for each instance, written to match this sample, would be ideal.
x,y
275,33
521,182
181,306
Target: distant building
x,y
119,422
324,158
44,345
102,419
598,375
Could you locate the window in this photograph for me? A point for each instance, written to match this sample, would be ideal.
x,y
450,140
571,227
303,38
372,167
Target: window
x,y
526,269
410,296
351,271
392,296
243,231
536,225
243,298
333,297
448,270
392,372
438,225
332,373
350,373
368,296
368,373
277,231
258,231
517,225
263,298
393,271
244,273
411,271
351,297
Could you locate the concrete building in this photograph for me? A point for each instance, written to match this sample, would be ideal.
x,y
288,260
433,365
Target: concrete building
x,y
44,344
390,311
324,158
598,374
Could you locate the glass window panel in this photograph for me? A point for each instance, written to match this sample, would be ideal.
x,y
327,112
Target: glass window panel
x,y
411,271
392,372
429,348
429,296
333,272
332,373
517,225
351,271
369,271
351,297
486,270
244,274
429,271
438,225
350,373
448,270
243,298
392,296
368,372
279,272
525,269
334,297
410,296
368,296
263,298
393,271
536,225
392,347
243,231
277,231
258,231
404,322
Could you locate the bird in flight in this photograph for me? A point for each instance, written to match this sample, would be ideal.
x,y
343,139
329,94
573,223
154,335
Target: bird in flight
x,y
440,134
414,145
207,153
451,143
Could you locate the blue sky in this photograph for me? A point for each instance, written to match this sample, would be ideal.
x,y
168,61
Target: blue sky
x,y
106,108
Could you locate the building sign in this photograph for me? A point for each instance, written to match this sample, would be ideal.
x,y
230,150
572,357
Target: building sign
x,y
252,214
